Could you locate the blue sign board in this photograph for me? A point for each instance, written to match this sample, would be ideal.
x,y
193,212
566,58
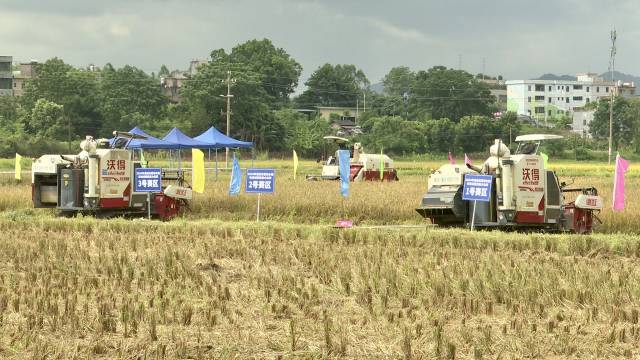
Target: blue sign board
x,y
477,187
147,180
260,181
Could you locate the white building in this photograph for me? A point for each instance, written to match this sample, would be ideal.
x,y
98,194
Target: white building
x,y
546,99
581,120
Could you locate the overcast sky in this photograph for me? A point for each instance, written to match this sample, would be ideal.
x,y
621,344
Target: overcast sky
x,y
518,39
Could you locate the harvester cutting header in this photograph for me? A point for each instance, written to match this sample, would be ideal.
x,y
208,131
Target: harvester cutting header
x,y
99,180
525,195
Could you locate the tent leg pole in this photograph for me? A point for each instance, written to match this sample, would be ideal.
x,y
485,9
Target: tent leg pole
x,y
180,174
216,165
209,150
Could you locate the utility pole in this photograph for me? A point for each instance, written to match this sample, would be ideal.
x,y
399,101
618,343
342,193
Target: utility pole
x,y
228,81
364,105
612,63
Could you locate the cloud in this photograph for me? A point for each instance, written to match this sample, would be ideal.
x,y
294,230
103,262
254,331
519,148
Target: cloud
x,y
566,36
410,35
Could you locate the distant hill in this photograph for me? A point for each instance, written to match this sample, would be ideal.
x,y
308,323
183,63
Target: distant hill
x,y
621,76
606,76
377,88
556,77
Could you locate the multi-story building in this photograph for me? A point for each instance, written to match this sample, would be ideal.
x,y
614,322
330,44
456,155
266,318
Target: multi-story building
x,y
581,120
27,71
543,100
6,75
172,84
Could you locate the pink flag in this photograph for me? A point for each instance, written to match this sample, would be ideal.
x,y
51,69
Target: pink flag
x,y
618,186
452,161
467,160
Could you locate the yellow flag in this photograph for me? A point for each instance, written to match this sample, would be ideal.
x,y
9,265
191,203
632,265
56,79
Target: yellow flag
x,y
545,159
197,157
143,161
18,167
295,164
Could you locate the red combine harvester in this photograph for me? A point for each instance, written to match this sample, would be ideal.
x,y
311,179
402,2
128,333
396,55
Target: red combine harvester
x,y
363,166
99,181
525,195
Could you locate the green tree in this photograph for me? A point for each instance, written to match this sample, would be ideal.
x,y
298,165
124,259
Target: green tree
x,y
251,116
507,127
625,121
263,76
164,71
474,133
46,120
398,81
75,90
395,135
449,93
440,135
329,85
125,92
277,70
380,106
303,134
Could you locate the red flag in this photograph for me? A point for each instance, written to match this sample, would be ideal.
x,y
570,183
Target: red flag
x,y
618,183
452,161
467,160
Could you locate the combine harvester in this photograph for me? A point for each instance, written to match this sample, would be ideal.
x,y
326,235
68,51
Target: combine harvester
x,y
99,181
363,167
525,196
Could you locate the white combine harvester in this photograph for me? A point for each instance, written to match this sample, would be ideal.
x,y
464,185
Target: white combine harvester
x,y
524,195
363,167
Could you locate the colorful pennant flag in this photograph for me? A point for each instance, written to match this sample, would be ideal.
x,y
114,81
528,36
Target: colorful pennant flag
x,y
545,159
622,166
467,160
18,170
295,164
197,159
344,158
236,177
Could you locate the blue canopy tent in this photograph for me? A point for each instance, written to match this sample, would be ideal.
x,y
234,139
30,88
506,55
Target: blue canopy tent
x,y
220,140
149,143
177,137
213,136
182,141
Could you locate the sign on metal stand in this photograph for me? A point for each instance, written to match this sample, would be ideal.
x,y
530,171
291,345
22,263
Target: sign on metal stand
x,y
476,188
148,180
260,181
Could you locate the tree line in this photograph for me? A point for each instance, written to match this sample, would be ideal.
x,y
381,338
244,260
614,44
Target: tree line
x,y
433,110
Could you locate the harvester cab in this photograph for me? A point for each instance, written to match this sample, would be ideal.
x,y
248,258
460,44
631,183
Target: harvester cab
x,y
525,195
99,180
363,166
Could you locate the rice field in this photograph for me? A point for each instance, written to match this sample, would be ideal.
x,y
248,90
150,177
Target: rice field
x,y
214,284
